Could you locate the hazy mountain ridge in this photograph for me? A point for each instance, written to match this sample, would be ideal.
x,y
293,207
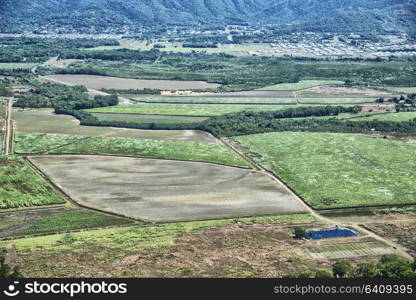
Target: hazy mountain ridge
x,y
102,15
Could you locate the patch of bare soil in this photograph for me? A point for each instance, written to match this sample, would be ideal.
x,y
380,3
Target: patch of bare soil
x,y
61,63
343,91
107,82
378,107
258,250
402,233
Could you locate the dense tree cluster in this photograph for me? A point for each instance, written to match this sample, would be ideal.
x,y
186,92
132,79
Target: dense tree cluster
x,y
389,266
35,49
64,99
5,91
244,123
116,55
6,272
405,103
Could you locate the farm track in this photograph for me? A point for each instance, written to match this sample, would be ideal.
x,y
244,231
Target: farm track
x,y
354,225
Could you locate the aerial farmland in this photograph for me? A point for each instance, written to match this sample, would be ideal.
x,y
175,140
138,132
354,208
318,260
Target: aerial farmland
x,y
207,152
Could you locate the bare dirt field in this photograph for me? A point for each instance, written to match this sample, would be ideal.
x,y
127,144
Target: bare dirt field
x,y
61,63
401,232
235,250
107,82
167,191
45,121
343,92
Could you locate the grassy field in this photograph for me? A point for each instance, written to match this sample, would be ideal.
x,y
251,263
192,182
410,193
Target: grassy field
x,y
164,250
145,119
197,110
406,90
2,116
17,65
348,250
20,186
301,85
42,142
213,100
207,152
392,117
22,223
45,121
338,170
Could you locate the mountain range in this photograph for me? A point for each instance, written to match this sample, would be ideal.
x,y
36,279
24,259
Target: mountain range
x,y
117,15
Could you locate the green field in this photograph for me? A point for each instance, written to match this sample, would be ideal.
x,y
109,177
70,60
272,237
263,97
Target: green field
x,y
45,121
146,119
213,100
332,100
197,110
193,151
406,90
20,186
42,142
339,170
303,84
17,224
393,117
17,65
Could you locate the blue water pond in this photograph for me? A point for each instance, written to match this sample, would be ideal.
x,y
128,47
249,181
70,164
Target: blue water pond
x,y
330,233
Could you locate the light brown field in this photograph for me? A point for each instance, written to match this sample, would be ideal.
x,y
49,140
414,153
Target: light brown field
x,y
167,191
107,82
401,232
343,92
61,63
45,121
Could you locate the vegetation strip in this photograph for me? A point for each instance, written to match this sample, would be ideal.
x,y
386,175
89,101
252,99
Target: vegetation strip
x,y
176,150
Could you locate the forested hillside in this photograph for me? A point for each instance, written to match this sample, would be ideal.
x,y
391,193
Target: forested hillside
x,y
121,15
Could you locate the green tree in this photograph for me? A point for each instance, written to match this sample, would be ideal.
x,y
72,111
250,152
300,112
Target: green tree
x,y
367,270
300,233
392,266
342,269
323,274
6,271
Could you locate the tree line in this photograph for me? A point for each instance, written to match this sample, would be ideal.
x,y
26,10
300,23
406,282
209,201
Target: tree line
x,y
389,266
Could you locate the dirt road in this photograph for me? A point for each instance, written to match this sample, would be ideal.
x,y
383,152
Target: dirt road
x,y
8,127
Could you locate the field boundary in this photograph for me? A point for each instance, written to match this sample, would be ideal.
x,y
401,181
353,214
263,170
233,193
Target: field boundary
x,y
25,155
215,103
8,130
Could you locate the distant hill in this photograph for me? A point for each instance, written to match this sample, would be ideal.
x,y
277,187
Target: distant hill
x,y
117,15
